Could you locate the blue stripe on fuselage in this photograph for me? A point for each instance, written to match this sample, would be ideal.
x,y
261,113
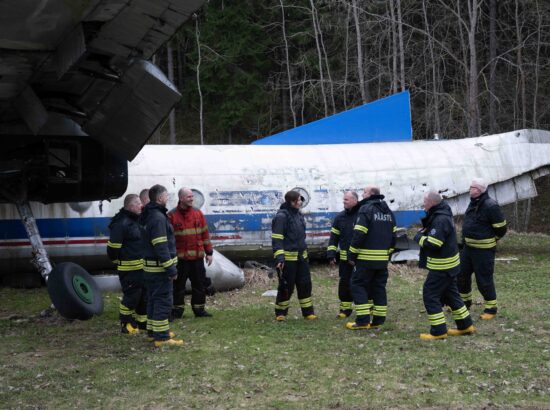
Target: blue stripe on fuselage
x,y
217,224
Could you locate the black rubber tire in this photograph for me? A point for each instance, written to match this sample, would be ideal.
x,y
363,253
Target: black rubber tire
x,y
74,292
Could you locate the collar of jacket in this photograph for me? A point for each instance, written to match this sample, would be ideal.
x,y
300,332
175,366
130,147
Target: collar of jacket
x,y
182,210
374,198
289,208
155,206
480,199
356,207
123,213
440,209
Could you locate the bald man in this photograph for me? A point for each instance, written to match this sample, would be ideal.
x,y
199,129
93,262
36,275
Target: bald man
x,y
484,225
341,233
125,249
371,245
193,247
439,254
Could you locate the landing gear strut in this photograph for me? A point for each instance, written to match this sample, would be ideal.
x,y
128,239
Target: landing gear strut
x,y
73,291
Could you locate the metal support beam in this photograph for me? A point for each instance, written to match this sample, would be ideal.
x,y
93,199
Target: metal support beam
x,y
40,258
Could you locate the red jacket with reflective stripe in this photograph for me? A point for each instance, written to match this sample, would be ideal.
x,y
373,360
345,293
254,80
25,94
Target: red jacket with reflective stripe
x,y
191,232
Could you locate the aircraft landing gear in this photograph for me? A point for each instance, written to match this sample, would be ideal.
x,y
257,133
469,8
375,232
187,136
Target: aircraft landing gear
x,y
73,291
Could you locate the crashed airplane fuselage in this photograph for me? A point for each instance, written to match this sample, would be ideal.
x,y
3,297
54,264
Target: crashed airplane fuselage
x,y
240,187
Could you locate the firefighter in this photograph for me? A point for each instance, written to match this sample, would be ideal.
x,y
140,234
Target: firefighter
x,y
439,254
484,225
340,238
125,250
159,265
290,253
369,252
193,246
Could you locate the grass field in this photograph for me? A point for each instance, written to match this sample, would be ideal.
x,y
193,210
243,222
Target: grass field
x,y
243,358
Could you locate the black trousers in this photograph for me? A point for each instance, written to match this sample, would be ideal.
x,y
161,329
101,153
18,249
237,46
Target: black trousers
x,y
366,285
133,307
344,287
196,273
482,263
295,274
440,288
159,304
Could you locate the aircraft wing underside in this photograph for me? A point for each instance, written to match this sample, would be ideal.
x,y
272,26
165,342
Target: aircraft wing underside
x,y
68,67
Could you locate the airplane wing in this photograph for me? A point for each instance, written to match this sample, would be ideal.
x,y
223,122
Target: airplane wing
x,y
80,68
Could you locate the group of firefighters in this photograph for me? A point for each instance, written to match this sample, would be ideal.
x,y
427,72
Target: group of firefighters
x,y
364,233
156,251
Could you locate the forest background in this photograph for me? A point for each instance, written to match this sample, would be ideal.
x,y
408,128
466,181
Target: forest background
x,y
249,69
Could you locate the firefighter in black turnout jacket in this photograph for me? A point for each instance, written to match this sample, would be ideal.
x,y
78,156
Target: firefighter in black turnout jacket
x,y
439,254
159,265
484,225
290,253
125,249
341,233
371,245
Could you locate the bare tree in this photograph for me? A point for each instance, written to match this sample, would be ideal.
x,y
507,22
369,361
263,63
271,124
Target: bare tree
x,y
287,62
319,56
360,72
198,70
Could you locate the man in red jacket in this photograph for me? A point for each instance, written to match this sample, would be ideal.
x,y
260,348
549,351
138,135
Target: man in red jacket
x,y
193,245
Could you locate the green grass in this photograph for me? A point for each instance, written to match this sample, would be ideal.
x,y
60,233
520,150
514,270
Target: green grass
x,y
243,358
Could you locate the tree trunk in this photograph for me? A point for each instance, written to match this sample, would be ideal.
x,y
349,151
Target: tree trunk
x,y
492,66
401,47
394,46
473,91
319,57
360,71
437,125
287,61
198,69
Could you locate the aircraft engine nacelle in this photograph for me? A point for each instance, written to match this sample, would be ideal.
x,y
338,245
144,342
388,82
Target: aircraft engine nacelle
x,y
60,169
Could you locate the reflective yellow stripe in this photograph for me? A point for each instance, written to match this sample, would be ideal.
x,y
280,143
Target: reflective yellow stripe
x,y
435,241
443,263
160,239
168,263
291,256
131,263
499,224
277,236
421,241
129,268
395,229
153,269
279,252
361,228
481,243
335,231
343,255
189,231
332,248
114,245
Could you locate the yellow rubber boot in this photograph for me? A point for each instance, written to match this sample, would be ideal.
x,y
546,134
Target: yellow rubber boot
x,y
128,329
470,330
310,317
280,318
171,335
427,336
355,326
487,316
168,342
